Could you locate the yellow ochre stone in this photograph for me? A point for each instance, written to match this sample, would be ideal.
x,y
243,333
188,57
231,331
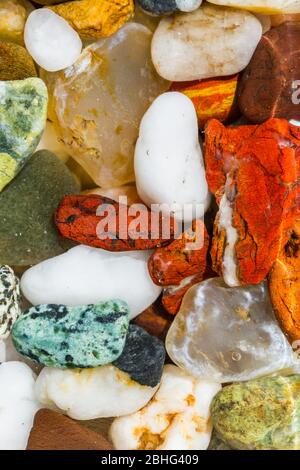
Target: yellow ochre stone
x,y
95,18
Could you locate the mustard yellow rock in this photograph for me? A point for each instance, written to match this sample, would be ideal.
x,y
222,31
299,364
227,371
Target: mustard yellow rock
x,y
95,18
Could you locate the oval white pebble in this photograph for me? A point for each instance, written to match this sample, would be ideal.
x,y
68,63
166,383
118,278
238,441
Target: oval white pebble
x,y
209,42
178,417
169,166
18,405
51,41
85,275
101,392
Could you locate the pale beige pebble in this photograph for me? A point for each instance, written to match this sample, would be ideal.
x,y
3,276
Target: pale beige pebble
x,y
263,6
85,394
13,15
101,100
181,50
49,141
177,417
127,191
50,78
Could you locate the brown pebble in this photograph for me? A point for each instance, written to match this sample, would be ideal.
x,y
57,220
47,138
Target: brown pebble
x,y
268,88
15,62
54,431
155,320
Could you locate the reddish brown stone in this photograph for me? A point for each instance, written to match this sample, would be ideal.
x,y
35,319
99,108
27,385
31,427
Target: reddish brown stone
x,y
53,431
266,88
155,320
169,265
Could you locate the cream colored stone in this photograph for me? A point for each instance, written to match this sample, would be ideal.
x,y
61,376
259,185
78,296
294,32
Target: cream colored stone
x,y
13,15
211,41
101,100
101,392
177,418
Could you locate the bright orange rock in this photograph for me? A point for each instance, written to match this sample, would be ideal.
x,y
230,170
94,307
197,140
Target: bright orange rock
x,y
256,169
184,257
212,98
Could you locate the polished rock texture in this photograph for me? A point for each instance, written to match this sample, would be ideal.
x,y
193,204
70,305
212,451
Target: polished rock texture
x,y
181,51
23,112
178,416
143,357
86,275
69,337
100,392
228,334
170,172
95,19
259,415
18,405
13,15
101,100
10,300
267,86
54,431
15,62
165,7
27,205
51,41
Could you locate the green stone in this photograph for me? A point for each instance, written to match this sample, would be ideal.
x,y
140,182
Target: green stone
x,y
27,231
262,414
23,114
217,444
67,337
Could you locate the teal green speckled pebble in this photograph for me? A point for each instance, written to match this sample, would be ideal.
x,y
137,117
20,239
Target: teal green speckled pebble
x,y
84,336
23,114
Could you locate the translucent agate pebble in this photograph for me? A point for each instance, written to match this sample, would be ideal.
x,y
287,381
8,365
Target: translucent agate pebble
x,y
228,334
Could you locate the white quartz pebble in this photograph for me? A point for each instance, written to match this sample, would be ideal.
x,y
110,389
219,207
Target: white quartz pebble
x,y
229,334
18,405
177,418
209,42
168,163
51,41
85,275
101,392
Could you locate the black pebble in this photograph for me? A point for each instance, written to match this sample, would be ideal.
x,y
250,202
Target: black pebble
x,y
143,357
158,7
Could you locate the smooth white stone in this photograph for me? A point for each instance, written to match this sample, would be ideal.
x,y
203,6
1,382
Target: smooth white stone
x,y
101,392
178,417
168,164
51,41
210,42
18,405
229,334
188,5
263,6
85,275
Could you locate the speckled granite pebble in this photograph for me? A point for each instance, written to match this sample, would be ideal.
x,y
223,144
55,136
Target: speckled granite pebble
x,y
60,336
27,231
143,357
9,300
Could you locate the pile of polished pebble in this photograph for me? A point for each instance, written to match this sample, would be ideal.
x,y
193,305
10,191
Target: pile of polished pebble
x,y
108,98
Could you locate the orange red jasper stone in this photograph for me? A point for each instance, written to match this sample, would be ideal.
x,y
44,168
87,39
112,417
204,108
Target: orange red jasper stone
x,y
100,222
260,166
184,257
212,98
